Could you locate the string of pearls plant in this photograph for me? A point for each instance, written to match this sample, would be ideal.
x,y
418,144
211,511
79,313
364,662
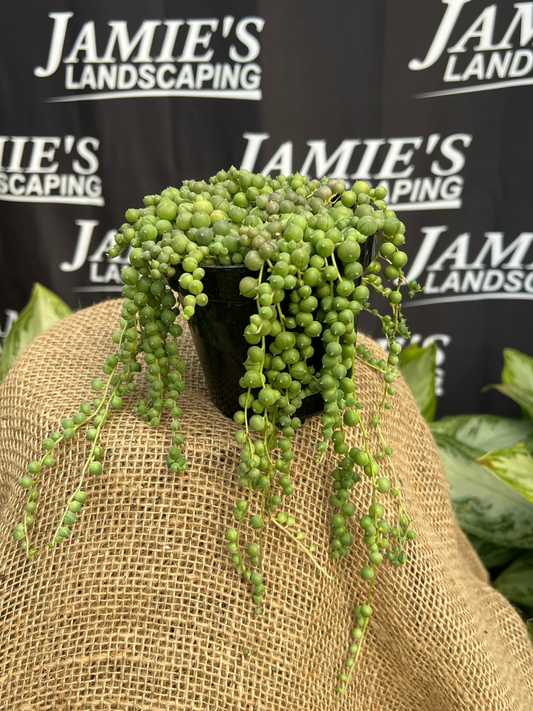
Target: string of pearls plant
x,y
302,240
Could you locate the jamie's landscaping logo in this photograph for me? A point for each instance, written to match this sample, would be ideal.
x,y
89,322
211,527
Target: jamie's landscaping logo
x,y
491,53
90,255
114,64
469,267
419,172
50,169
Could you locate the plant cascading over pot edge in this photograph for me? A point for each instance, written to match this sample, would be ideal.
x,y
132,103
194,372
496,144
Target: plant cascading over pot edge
x,y
311,253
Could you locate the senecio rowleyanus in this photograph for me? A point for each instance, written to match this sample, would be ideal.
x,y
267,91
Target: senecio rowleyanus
x,y
303,242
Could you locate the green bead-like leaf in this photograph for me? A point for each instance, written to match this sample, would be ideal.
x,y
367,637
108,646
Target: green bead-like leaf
x,y
418,366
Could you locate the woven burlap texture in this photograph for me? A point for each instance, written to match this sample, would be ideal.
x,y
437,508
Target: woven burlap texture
x,y
142,608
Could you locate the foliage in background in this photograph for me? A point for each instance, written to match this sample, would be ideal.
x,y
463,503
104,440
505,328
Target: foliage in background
x,y
43,310
489,467
418,367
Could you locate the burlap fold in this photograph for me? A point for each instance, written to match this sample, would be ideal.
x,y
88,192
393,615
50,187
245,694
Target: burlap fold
x,y
142,609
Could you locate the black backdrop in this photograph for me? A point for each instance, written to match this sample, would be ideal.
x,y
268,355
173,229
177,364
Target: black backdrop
x,y
104,102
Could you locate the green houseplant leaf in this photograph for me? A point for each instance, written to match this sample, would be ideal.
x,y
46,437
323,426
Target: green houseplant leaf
x,y
517,369
483,433
513,466
517,380
523,397
484,505
43,310
493,556
418,366
516,581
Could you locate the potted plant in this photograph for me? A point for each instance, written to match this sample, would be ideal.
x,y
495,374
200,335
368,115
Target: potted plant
x,y
304,255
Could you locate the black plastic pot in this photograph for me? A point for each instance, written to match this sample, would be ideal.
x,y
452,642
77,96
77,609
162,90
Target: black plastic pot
x,y
217,331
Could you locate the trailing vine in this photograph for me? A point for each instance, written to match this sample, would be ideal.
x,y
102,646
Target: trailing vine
x,y
308,246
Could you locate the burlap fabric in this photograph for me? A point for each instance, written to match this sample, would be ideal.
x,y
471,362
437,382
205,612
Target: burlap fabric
x,y
142,609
